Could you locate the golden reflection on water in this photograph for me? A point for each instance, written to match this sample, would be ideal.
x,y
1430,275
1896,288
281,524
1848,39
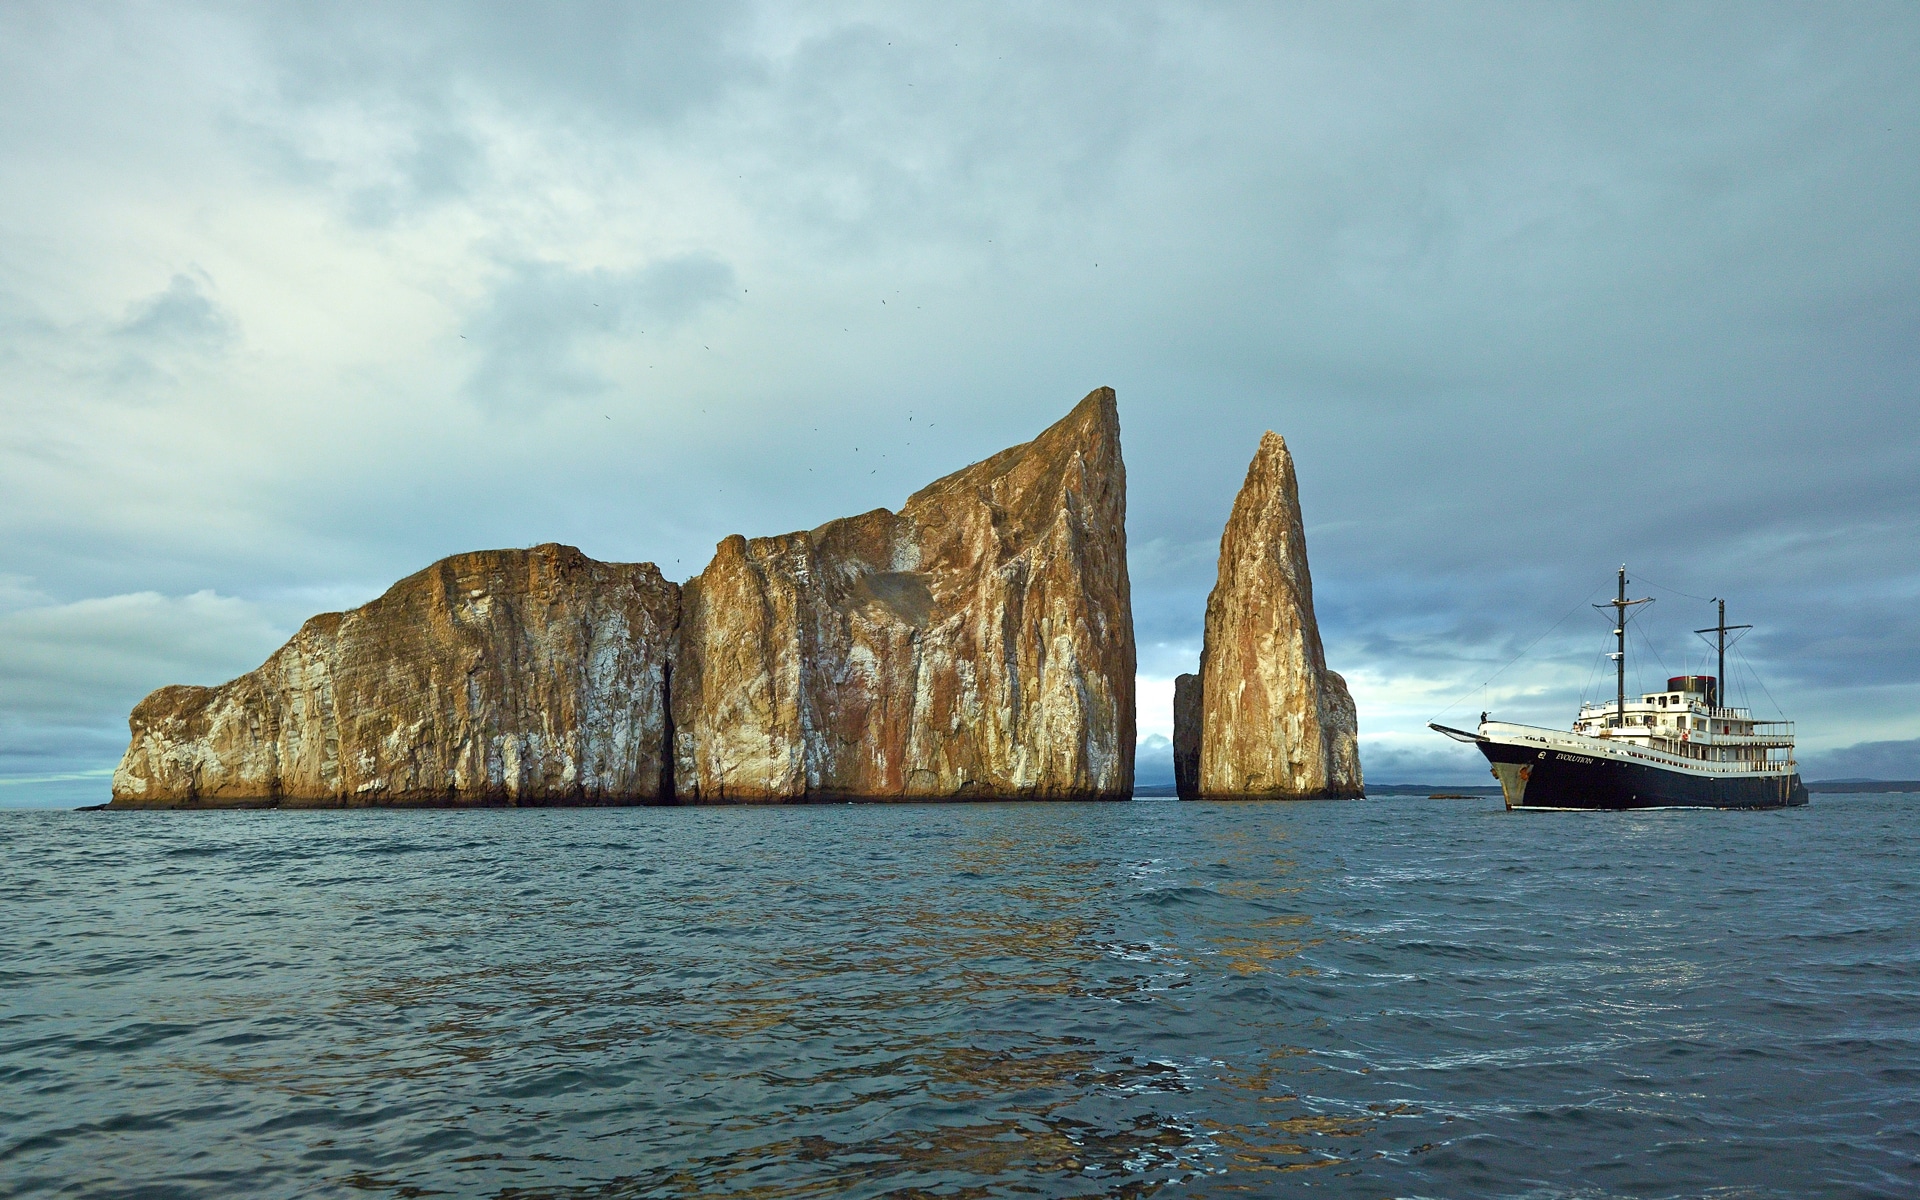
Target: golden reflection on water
x,y
874,1005
1250,956
991,1150
1256,889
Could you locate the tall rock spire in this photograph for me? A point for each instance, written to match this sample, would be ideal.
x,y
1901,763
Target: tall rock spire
x,y
1273,720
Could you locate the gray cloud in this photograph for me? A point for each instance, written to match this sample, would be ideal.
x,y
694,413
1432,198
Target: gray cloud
x,y
605,58
535,335
1530,290
1445,763
1153,761
183,315
179,329
70,669
1867,760
399,116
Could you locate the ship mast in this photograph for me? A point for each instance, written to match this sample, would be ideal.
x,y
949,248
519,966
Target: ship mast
x,y
1619,655
1722,629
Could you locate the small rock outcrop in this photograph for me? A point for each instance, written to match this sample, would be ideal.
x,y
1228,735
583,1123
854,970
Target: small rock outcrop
x,y
499,677
1186,736
976,644
1274,722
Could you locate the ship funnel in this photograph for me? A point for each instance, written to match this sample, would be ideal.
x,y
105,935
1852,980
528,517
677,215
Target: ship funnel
x,y
1702,685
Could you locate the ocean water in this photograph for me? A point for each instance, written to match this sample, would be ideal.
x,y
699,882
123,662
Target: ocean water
x,y
1393,997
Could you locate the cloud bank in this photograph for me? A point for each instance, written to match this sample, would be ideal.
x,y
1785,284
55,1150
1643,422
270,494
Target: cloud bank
x,y
295,299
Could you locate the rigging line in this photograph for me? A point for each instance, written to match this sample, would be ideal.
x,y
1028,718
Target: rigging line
x,y
1742,672
1632,614
1735,633
1651,649
1587,687
1516,658
1638,578
1736,682
1748,664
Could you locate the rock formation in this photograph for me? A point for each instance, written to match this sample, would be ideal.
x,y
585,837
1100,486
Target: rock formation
x,y
1186,736
1273,720
976,644
500,677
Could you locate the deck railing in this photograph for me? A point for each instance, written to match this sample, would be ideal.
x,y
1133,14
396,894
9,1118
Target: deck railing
x,y
1552,738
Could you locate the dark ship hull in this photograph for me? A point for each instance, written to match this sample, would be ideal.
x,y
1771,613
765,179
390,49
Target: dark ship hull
x,y
1557,779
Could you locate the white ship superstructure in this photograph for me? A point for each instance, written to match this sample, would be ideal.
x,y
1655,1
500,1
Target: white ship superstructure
x,y
1684,723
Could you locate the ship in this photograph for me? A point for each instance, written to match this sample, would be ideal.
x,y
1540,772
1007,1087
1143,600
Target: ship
x,y
1677,748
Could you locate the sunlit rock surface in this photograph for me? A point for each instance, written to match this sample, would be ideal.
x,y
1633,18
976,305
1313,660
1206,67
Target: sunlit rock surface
x,y
976,644
499,677
1274,721
1186,736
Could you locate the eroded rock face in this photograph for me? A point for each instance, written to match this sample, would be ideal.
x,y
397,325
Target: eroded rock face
x,y
1274,721
976,644
499,677
1186,736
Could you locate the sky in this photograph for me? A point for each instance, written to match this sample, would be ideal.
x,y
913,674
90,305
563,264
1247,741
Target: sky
x,y
297,298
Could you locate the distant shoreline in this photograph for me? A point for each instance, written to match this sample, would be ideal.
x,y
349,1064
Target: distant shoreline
x,y
1837,787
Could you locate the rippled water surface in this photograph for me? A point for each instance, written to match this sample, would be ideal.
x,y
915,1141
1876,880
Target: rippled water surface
x,y
1384,997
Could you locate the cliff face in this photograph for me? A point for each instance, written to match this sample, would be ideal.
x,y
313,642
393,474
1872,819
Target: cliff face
x,y
500,677
1274,721
976,644
1186,736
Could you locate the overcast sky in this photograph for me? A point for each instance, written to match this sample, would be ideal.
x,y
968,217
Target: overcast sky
x,y
295,299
